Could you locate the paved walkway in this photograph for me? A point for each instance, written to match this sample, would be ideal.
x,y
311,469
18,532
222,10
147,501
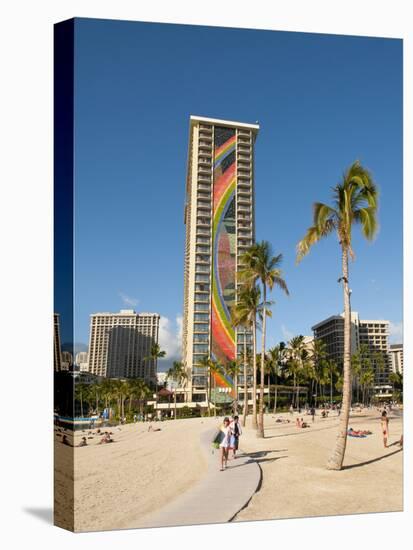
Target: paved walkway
x,y
216,498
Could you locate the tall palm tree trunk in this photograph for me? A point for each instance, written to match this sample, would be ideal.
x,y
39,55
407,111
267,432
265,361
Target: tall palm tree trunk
x,y
335,462
331,388
260,430
215,394
275,392
245,413
254,382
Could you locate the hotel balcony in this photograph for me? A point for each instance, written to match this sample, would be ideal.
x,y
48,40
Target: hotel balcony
x,y
203,206
204,186
243,198
203,144
242,208
204,170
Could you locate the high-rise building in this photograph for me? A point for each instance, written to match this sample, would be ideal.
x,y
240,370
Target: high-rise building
x,y
371,333
120,344
57,357
219,218
81,361
396,357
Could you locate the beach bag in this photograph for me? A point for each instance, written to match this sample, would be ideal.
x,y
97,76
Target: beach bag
x,y
218,439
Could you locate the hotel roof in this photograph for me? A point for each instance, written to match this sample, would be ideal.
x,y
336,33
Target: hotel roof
x,y
222,122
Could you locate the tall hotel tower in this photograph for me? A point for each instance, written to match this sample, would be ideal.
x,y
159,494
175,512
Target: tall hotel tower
x,y
219,218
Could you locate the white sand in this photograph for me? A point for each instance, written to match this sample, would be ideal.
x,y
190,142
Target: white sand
x,y
297,484
119,485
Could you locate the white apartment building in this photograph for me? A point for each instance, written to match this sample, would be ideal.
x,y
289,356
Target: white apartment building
x,y
119,344
396,358
219,219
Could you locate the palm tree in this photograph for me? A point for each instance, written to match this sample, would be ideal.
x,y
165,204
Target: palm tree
x,y
245,313
204,363
81,394
141,390
332,369
178,374
95,390
275,358
155,354
232,369
214,369
354,202
294,365
260,265
318,356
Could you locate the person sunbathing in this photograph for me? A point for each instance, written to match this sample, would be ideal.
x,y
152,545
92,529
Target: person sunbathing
x,y
358,433
106,439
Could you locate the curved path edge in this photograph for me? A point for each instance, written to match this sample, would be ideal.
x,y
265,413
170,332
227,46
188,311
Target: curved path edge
x,y
217,497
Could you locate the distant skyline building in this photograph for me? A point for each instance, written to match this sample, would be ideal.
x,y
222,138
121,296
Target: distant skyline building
x,y
219,219
119,344
67,360
81,361
57,345
396,358
372,333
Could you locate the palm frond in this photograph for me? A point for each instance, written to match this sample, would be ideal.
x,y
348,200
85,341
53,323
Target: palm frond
x,y
366,217
312,236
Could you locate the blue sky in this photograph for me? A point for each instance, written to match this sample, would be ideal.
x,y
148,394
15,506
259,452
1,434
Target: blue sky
x,y
322,101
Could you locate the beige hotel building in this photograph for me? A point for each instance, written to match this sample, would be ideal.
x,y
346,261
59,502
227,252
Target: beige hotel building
x,y
120,342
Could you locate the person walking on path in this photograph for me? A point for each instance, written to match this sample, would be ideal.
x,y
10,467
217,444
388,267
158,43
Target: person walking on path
x,y
225,442
385,427
235,433
312,412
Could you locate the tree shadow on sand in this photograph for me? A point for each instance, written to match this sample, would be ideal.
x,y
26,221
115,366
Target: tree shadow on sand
x,y
367,462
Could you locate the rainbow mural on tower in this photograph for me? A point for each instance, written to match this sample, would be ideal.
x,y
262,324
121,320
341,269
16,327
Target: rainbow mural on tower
x,y
224,250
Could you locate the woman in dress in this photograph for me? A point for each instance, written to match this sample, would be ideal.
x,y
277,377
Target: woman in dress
x,y
225,442
385,427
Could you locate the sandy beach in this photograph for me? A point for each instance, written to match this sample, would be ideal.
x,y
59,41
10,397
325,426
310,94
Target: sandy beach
x,y
119,485
296,482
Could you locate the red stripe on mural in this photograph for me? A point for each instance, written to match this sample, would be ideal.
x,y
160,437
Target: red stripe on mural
x,y
222,183
221,337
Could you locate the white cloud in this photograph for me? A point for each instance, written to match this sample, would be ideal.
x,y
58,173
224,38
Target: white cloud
x,y
287,334
396,332
128,300
170,337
